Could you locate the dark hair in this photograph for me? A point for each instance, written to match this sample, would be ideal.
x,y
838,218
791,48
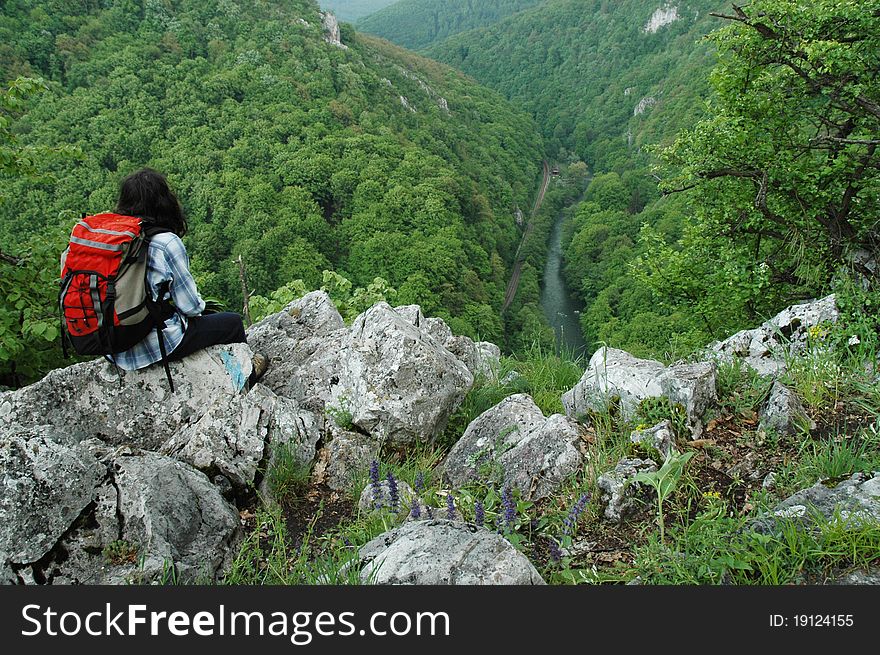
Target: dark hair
x,y
146,194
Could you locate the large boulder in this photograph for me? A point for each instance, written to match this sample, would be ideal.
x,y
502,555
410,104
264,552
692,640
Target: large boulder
x,y
383,376
396,384
766,347
614,373
47,482
532,453
855,501
156,518
134,408
443,552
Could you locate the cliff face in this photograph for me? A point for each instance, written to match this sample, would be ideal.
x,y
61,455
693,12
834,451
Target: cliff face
x,y
660,18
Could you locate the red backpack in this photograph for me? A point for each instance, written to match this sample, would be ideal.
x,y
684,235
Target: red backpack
x,y
106,305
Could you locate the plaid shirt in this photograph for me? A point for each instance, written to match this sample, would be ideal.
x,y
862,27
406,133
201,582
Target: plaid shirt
x,y
167,261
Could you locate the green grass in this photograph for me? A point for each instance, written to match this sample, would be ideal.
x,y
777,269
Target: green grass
x,y
287,477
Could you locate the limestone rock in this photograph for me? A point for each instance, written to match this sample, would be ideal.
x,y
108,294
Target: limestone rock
x,y
445,552
619,493
857,500
693,387
47,483
660,437
533,453
764,348
87,400
347,458
783,413
396,384
614,373
168,518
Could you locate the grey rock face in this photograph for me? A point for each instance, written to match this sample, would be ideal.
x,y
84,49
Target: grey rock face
x,y
764,348
693,387
610,373
47,483
347,457
870,576
379,498
445,552
660,437
482,358
86,400
397,384
534,454
614,373
857,500
619,493
394,381
783,413
170,516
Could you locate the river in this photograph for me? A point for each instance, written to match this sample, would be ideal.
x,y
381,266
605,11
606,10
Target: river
x,y
560,309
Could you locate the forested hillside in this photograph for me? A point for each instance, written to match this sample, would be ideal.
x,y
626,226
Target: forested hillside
x,y
416,24
289,151
352,10
605,81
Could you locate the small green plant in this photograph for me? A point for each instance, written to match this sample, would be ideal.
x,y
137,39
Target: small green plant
x,y
287,477
341,415
120,552
652,411
664,481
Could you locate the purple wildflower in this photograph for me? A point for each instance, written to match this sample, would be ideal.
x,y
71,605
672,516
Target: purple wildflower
x,y
509,507
574,514
416,511
479,514
374,473
429,512
555,552
450,506
374,482
392,492
420,482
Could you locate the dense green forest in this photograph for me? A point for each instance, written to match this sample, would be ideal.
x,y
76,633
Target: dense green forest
x,y
293,153
351,10
416,24
607,84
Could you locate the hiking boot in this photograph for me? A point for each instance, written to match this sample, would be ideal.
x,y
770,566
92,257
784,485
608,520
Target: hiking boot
x,y
260,363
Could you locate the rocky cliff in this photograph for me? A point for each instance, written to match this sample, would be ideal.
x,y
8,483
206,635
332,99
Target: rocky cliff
x,y
110,478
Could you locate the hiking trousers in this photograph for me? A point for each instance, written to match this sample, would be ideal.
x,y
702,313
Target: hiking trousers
x,y
209,330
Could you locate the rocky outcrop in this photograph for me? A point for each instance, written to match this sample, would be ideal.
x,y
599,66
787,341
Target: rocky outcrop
x,y
384,375
332,34
443,552
155,518
660,18
620,494
644,105
614,374
766,347
83,447
134,408
783,412
530,452
660,437
855,501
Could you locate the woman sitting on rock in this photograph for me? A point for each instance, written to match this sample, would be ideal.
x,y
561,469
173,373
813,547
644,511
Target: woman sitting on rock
x,y
146,195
